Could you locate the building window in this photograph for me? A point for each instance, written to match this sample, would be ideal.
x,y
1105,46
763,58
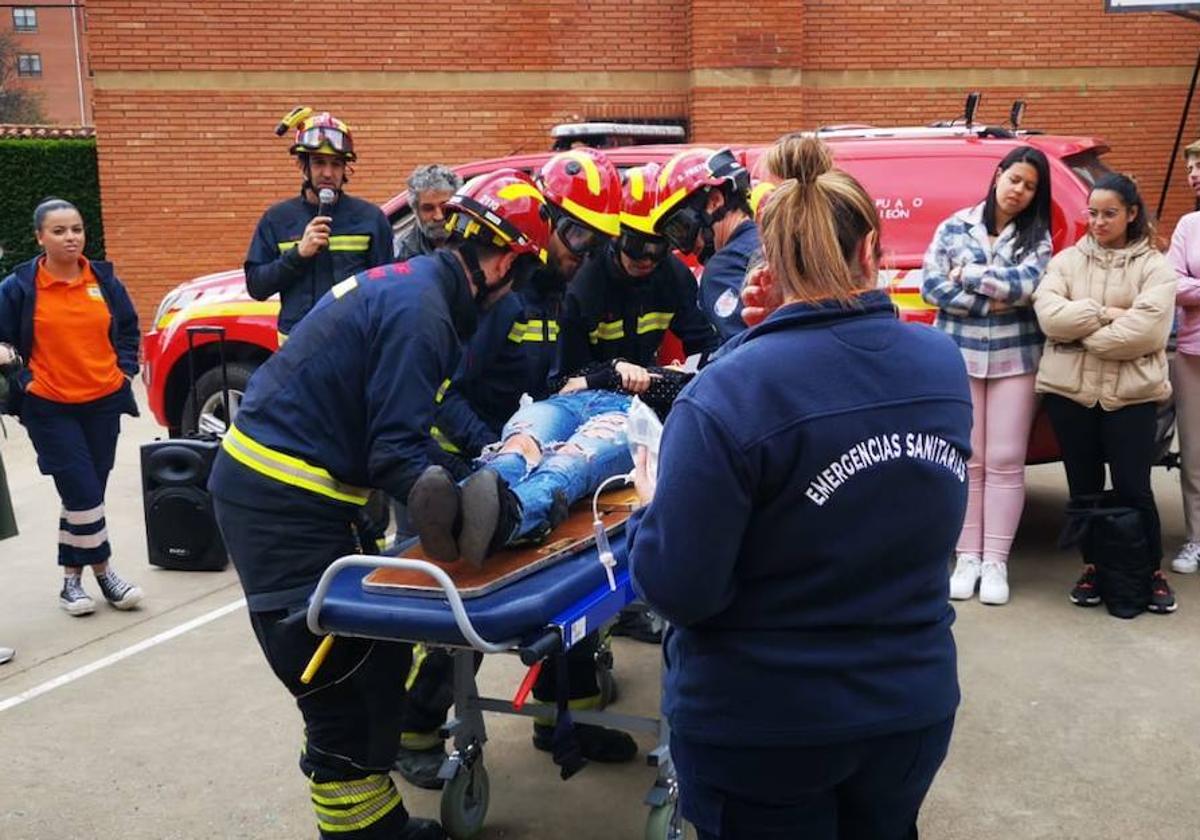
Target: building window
x,y
25,20
29,64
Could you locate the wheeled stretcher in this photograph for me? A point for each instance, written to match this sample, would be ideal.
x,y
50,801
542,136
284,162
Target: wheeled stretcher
x,y
535,603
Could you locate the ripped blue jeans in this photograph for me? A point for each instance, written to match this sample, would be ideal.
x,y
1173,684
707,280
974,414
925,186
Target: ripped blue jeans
x,y
583,441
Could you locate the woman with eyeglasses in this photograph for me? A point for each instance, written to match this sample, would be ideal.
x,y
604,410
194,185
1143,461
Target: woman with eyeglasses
x,y
980,271
1106,305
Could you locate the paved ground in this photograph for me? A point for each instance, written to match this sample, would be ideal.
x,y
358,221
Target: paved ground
x,y
1074,724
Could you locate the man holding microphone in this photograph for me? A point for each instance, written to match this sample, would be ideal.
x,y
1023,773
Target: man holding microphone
x,y
304,245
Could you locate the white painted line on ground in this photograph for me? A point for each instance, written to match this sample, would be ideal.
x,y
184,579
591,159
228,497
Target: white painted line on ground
x,y
78,673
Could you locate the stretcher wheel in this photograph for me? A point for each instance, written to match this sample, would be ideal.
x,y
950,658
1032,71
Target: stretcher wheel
x,y
665,823
465,802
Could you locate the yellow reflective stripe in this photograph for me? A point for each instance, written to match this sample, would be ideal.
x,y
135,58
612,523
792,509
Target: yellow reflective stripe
x,y
420,741
441,392
350,242
287,246
347,285
579,704
349,792
607,331
652,321
533,331
287,469
364,803
419,652
443,441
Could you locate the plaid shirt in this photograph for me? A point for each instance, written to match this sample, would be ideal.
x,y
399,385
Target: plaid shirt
x,y
964,276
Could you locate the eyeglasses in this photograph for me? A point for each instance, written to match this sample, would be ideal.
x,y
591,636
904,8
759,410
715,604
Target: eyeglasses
x,y
581,240
639,246
314,138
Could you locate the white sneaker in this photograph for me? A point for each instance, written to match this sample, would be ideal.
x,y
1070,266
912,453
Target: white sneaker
x,y
73,599
1187,560
966,575
993,583
6,655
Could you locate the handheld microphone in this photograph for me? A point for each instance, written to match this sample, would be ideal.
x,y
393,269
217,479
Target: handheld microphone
x,y
326,197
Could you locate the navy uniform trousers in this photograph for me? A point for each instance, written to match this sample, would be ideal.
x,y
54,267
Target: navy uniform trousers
x,y
76,445
352,708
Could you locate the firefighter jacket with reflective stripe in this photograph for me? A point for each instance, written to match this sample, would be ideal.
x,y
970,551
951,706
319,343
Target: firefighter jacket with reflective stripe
x,y
609,315
511,354
348,402
360,238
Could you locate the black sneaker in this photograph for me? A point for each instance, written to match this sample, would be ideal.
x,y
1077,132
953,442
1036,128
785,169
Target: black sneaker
x,y
1162,599
491,513
117,591
420,767
1086,593
419,829
73,598
607,746
434,505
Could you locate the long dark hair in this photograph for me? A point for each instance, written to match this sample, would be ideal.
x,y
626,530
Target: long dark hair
x,y
1126,189
1034,221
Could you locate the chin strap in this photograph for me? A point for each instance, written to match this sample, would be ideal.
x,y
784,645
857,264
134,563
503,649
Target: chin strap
x,y
710,248
482,290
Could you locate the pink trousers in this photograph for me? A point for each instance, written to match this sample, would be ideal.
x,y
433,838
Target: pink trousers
x,y
1003,411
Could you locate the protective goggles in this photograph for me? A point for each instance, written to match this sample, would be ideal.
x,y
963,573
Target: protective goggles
x,y
639,246
581,240
314,139
682,227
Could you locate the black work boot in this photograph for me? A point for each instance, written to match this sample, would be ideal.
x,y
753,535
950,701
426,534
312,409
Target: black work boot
x,y
490,515
419,829
607,746
420,767
434,511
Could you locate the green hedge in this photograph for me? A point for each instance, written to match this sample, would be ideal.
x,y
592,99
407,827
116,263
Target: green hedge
x,y
31,170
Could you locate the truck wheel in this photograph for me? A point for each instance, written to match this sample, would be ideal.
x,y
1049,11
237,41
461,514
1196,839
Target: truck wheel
x,y
211,405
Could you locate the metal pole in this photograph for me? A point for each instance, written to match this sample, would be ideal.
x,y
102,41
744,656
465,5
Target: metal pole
x,y
1187,106
78,66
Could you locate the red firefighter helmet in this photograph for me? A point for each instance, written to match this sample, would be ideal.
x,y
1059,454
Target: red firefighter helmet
x,y
584,192
639,194
503,208
690,171
321,134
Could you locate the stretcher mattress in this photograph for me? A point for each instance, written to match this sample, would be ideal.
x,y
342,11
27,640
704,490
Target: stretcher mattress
x,y
519,610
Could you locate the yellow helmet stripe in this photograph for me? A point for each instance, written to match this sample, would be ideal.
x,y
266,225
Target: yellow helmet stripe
x,y
519,189
637,184
607,223
589,169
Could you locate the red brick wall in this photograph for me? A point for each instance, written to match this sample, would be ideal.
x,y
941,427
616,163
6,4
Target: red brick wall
x,y
64,61
186,172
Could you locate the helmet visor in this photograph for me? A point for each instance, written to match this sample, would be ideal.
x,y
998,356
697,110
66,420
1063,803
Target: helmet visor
x,y
581,240
313,139
639,246
681,228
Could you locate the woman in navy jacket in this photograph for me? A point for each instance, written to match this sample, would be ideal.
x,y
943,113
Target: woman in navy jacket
x,y
71,334
811,486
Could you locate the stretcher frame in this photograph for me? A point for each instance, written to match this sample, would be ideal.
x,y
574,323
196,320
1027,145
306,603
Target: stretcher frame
x,y
466,791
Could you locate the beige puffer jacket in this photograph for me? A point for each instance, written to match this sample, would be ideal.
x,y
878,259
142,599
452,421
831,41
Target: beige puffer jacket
x,y
1090,360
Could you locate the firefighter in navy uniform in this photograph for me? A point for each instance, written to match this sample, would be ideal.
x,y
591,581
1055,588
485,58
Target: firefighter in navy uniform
x,y
704,209
514,353
345,405
300,254
624,300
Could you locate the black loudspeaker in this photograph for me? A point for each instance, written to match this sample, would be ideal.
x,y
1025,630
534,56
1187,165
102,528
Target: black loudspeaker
x,y
181,530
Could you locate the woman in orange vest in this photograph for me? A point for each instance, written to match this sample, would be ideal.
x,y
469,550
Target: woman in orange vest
x,y
73,332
